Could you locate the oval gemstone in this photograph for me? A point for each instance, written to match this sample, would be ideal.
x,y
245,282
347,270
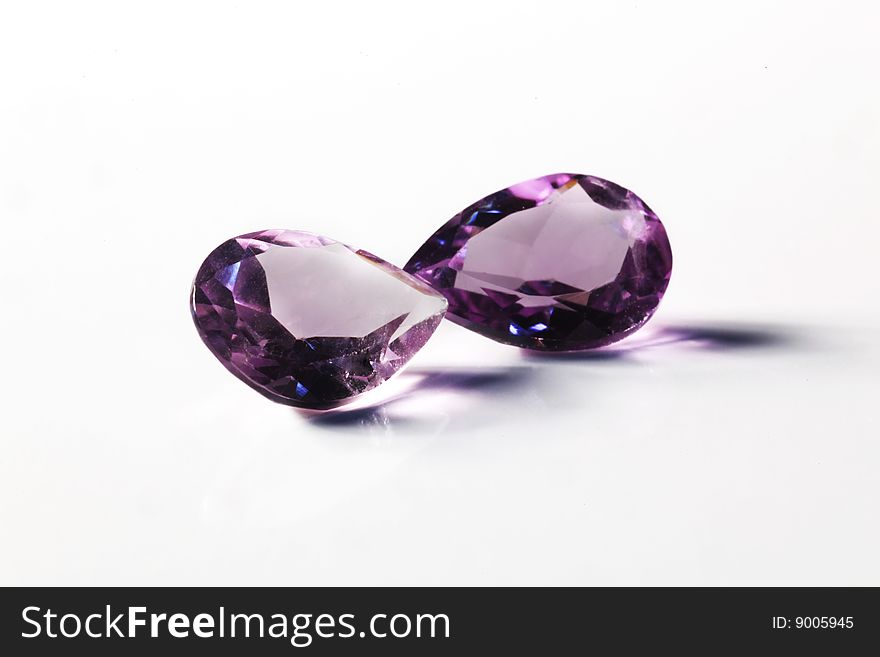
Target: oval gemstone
x,y
560,263
308,321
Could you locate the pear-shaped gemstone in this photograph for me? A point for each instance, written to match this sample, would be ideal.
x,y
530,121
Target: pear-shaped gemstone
x,y
562,263
308,321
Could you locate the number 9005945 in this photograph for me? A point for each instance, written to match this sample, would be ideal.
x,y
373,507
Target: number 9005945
x,y
823,622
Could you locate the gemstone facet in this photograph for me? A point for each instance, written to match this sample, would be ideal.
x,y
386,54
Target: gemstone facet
x,y
560,263
308,321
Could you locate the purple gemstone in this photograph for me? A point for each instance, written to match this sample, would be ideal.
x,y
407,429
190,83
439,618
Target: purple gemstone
x,y
558,263
308,321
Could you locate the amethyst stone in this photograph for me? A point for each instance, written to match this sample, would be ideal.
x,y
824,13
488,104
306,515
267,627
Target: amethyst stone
x,y
307,321
559,263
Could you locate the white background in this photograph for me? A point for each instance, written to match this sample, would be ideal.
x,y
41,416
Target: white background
x,y
733,441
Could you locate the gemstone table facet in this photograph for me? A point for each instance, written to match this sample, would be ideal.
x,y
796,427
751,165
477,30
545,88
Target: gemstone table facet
x,y
308,321
560,263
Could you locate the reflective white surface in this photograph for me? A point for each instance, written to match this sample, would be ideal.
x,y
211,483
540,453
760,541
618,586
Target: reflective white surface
x,y
733,441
